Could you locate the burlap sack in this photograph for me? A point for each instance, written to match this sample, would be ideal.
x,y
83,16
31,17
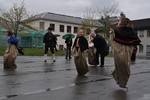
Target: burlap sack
x,y
10,57
91,56
80,62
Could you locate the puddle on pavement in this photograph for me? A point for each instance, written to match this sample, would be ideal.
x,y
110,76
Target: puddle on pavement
x,y
98,80
10,96
145,97
9,72
82,81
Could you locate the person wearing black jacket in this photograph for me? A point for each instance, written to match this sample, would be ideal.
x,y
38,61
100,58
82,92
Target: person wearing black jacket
x,y
101,46
80,47
49,41
80,41
68,42
124,38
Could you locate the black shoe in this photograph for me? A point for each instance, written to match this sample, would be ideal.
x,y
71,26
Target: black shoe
x,y
54,60
45,60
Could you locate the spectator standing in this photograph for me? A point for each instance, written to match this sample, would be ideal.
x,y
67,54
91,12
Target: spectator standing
x,y
68,42
49,41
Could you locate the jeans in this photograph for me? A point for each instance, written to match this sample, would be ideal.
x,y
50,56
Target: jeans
x,y
68,52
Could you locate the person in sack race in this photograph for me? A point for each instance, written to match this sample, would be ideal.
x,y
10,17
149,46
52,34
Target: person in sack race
x,y
80,41
124,38
11,52
49,41
101,46
68,42
80,46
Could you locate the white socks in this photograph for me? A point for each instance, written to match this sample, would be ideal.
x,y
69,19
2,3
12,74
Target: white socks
x,y
45,57
53,57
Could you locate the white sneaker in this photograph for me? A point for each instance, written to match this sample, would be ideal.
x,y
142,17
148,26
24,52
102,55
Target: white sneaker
x,y
45,57
54,58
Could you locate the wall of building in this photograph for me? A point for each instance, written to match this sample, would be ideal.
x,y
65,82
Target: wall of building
x,y
60,41
145,41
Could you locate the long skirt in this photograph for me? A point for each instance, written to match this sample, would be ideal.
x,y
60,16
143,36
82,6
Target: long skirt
x,y
10,57
122,59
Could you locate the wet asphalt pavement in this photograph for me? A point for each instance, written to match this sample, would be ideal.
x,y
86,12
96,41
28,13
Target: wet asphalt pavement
x,y
36,80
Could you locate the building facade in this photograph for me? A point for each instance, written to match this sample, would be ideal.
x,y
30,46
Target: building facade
x,y
61,24
142,26
58,27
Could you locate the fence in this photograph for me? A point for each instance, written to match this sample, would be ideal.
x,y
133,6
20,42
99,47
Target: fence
x,y
27,39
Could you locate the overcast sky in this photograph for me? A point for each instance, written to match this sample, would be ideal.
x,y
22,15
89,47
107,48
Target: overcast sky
x,y
134,9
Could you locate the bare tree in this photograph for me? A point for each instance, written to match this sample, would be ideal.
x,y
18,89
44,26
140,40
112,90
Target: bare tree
x,y
105,14
88,22
15,18
109,10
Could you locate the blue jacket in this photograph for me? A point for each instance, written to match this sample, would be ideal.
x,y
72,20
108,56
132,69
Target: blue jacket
x,y
12,39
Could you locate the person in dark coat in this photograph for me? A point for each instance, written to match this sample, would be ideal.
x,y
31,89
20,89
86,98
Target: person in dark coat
x,y
68,42
49,41
80,41
133,56
55,46
101,46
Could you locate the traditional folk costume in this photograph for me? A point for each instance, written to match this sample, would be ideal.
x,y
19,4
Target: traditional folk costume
x,y
123,40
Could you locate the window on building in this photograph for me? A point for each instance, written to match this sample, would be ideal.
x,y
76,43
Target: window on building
x,y
52,26
75,29
141,33
148,50
61,28
41,25
68,29
148,33
140,48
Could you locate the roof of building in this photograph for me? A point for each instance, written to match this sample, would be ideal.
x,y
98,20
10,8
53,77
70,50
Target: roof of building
x,y
114,20
61,18
141,24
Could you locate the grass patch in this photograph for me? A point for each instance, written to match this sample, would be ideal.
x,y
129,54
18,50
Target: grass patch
x,y
2,50
35,52
40,52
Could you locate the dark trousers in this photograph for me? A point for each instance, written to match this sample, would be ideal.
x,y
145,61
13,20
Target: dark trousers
x,y
55,47
68,52
133,57
102,58
51,48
